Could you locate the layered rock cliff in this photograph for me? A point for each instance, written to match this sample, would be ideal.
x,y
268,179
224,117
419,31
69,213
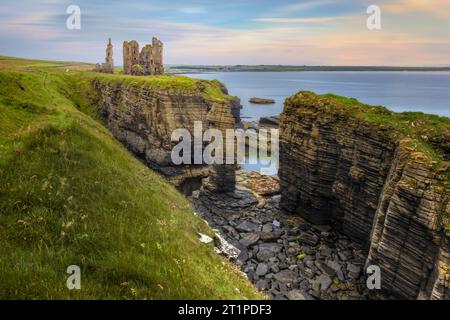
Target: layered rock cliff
x,y
143,113
381,177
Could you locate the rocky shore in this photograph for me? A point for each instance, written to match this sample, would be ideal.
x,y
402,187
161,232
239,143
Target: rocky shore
x,y
283,255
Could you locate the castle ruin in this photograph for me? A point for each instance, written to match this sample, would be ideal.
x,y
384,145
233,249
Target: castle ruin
x,y
108,65
147,62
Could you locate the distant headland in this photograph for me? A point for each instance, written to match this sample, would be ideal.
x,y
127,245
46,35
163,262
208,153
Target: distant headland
x,y
284,68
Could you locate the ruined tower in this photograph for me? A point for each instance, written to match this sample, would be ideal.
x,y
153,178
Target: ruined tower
x,y
150,59
147,59
157,53
130,56
109,62
108,65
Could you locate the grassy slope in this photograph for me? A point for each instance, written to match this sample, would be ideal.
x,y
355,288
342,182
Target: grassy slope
x,y
71,194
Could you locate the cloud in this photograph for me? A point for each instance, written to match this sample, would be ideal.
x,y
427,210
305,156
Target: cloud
x,y
381,48
310,39
291,45
193,10
302,6
303,20
435,7
37,25
195,43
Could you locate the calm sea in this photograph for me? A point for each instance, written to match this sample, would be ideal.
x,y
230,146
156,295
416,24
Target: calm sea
x,y
428,92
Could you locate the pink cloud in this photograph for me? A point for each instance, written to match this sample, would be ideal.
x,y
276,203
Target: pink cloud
x,y
435,7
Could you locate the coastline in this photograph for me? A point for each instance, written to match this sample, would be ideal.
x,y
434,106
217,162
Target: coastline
x,y
181,69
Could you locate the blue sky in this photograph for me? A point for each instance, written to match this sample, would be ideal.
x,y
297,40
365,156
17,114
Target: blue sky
x,y
319,32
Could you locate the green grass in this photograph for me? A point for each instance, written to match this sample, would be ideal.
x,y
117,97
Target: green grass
x,y
71,194
412,124
209,89
431,133
13,63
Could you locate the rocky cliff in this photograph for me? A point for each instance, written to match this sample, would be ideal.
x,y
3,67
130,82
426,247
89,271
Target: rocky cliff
x,y
143,113
381,177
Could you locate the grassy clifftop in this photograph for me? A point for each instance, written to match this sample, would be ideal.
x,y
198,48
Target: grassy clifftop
x,y
70,194
211,89
431,133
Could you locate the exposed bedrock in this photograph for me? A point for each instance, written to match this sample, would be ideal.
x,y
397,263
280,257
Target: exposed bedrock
x,y
284,256
341,162
143,117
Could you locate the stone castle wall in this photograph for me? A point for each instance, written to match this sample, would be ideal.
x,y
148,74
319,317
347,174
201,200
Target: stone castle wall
x,y
130,56
149,61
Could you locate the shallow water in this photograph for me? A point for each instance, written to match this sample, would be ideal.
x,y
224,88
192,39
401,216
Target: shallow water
x,y
268,167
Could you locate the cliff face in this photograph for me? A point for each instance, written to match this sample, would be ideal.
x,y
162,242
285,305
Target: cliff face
x,y
330,170
406,237
143,115
353,165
